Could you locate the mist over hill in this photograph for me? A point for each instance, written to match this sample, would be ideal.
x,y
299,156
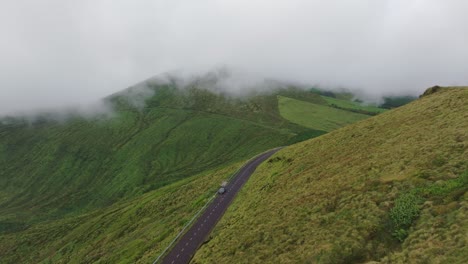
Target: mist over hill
x,y
226,81
66,53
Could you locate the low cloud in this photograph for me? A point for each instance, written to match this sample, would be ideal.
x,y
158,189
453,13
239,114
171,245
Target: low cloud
x,y
97,110
61,53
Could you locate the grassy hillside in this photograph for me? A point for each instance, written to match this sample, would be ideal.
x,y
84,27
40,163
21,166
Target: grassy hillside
x,y
316,116
390,189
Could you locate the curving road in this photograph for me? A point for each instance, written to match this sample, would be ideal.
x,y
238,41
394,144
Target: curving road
x,y
188,244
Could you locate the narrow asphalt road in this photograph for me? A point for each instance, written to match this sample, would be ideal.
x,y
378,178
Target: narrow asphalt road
x,y
185,248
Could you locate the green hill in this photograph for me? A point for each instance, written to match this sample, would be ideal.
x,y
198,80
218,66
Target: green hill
x,y
389,189
52,168
119,188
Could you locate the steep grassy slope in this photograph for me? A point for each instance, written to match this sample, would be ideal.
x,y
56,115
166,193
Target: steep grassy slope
x,y
391,189
316,116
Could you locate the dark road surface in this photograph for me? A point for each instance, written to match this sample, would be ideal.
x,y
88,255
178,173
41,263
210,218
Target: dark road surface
x,y
185,248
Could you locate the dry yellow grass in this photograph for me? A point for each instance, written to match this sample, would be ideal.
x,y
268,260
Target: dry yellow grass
x,y
327,200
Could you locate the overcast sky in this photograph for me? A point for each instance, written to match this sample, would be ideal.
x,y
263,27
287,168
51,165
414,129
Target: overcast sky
x,y
62,52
